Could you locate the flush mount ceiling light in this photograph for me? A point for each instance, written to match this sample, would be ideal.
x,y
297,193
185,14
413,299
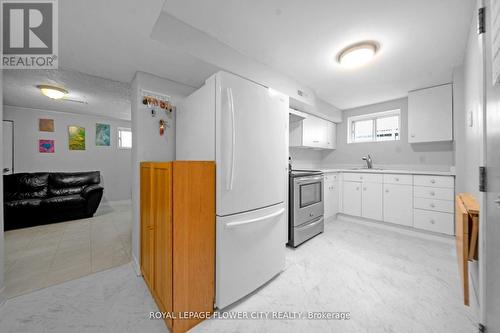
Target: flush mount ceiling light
x,y
52,91
357,54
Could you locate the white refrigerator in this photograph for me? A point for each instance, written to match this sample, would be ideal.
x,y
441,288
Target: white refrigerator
x,y
242,126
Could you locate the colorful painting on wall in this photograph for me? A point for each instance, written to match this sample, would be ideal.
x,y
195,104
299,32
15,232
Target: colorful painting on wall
x,y
46,146
102,135
76,138
46,125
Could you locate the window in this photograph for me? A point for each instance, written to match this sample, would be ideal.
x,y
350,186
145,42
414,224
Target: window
x,y
124,138
374,127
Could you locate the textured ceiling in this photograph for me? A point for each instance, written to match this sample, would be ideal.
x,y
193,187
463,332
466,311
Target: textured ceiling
x,y
100,96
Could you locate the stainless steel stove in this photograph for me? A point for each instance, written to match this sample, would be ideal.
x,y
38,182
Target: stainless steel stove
x,y
306,206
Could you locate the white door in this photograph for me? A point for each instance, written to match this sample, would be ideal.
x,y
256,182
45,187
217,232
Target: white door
x,y
314,132
372,201
351,198
8,147
398,204
490,236
331,135
430,114
250,145
250,252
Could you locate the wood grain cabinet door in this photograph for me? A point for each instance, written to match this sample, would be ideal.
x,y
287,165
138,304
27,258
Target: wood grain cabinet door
x,y
147,224
162,208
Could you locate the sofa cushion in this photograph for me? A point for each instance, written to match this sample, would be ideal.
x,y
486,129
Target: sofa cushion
x,y
26,186
64,202
23,204
70,183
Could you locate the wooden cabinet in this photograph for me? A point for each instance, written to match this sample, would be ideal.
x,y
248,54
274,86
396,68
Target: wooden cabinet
x,y
398,204
331,195
430,114
371,199
178,237
351,198
313,132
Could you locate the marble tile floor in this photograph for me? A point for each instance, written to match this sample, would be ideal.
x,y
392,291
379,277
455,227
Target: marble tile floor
x,y
46,255
388,281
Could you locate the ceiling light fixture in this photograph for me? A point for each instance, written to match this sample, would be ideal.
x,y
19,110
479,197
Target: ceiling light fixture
x,y
52,91
357,54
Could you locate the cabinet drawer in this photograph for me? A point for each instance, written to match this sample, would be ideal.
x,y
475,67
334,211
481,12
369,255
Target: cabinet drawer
x,y
353,177
398,179
445,206
433,221
434,181
363,177
330,177
434,193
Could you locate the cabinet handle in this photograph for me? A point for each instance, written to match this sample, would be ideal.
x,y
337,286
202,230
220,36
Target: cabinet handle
x,y
412,135
432,221
357,188
386,191
364,188
433,181
397,179
432,205
315,141
432,193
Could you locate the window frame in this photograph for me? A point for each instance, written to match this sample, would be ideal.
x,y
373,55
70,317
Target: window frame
x,y
118,138
373,116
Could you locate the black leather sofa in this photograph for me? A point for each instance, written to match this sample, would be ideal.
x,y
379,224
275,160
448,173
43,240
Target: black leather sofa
x,y
32,199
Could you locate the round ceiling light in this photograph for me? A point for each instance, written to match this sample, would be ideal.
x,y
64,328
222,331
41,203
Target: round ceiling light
x,y
52,91
357,54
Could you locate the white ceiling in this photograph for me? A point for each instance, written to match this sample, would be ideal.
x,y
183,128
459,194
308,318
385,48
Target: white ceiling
x,y
101,96
421,40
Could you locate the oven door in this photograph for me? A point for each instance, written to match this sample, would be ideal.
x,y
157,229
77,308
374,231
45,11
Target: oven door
x,y
308,199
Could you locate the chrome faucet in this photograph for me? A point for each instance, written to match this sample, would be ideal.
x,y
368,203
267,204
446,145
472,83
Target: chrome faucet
x,y
368,161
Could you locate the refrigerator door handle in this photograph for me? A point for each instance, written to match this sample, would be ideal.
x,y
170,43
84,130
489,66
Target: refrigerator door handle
x,y
235,224
230,102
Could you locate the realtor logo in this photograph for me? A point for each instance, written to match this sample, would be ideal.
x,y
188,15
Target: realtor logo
x,y
29,38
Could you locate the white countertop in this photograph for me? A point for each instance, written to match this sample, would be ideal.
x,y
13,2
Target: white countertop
x,y
411,172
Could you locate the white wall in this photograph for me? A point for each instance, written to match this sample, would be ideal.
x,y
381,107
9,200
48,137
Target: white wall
x,y
437,155
147,144
113,163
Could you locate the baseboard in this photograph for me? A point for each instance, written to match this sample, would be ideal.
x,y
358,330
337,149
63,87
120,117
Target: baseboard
x,y
3,297
136,266
119,202
399,228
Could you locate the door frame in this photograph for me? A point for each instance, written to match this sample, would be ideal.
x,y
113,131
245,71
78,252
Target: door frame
x,y
13,128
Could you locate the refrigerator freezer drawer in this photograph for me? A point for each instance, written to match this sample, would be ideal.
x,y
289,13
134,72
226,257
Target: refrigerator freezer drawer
x,y
249,252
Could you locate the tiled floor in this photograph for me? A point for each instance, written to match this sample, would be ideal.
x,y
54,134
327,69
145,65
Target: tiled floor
x,y
388,281
46,255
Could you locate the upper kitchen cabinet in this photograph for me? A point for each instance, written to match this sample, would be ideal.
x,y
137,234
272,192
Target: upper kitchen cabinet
x,y
312,132
430,114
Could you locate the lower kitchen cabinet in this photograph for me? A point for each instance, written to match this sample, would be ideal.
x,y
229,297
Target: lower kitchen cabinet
x,y
351,198
371,200
398,204
331,195
178,237
420,201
